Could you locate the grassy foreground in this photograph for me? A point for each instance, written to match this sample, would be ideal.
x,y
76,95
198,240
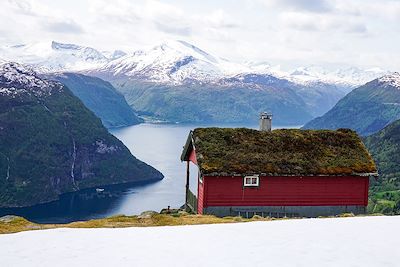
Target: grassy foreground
x,y
14,224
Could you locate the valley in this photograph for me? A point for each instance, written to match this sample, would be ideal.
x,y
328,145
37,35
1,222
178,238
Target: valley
x,y
199,133
176,81
182,85
367,109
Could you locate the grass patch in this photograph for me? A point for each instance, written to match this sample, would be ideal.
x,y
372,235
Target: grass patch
x,y
386,202
14,224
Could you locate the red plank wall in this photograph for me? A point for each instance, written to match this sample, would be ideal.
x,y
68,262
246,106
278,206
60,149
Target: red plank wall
x,y
200,198
287,191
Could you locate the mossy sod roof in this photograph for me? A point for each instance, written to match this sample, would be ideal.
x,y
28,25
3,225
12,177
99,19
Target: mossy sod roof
x,y
279,152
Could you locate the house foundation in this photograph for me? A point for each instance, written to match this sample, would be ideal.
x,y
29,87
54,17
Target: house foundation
x,y
283,211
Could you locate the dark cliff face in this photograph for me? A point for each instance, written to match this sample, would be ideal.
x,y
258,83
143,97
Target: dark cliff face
x,y
50,143
100,97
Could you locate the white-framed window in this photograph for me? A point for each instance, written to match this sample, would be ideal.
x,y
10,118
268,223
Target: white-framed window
x,y
253,180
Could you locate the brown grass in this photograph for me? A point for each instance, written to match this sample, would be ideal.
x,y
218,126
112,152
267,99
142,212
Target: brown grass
x,y
18,224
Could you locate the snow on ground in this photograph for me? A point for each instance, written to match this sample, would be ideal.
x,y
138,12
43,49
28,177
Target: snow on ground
x,y
363,241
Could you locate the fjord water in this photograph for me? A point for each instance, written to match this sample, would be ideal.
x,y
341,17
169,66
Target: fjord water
x,y
159,145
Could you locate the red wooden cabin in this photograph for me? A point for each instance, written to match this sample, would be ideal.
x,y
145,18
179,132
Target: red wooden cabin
x,y
287,172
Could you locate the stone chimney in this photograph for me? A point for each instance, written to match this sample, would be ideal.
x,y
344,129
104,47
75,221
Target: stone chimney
x,y
265,121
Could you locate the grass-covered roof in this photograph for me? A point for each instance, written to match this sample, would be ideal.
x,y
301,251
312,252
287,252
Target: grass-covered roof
x,y
279,152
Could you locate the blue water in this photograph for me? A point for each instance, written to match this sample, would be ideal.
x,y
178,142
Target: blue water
x,y
159,145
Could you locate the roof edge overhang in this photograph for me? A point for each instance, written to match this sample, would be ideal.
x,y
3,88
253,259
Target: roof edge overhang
x,y
187,148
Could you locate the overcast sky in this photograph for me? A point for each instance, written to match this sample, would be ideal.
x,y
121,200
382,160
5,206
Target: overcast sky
x,y
362,33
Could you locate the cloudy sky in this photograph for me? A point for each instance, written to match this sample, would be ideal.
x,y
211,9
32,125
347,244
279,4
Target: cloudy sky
x,y
290,33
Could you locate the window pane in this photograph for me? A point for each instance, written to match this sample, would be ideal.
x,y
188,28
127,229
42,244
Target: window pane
x,y
248,180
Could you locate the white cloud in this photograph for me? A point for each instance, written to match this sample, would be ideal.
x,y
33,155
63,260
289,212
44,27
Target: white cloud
x,y
319,22
59,26
220,19
317,6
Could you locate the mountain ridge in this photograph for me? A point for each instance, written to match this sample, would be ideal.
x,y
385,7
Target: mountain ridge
x,y
174,65
100,97
83,58
367,109
50,143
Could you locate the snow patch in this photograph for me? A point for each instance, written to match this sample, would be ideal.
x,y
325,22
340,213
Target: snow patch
x,y
19,79
103,148
361,241
351,76
53,56
391,80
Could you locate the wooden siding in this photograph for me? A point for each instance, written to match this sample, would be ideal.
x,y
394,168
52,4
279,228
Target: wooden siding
x,y
287,191
192,157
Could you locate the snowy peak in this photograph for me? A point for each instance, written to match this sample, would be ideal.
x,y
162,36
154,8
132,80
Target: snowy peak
x,y
310,71
351,76
258,67
173,61
54,56
180,48
16,79
61,46
82,52
391,80
114,54
169,62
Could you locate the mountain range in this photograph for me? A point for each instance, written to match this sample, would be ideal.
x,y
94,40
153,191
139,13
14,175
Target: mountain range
x,y
50,143
179,82
55,57
172,61
367,109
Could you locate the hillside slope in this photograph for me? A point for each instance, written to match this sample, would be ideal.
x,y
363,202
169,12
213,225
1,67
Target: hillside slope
x,y
179,82
366,109
50,143
100,97
385,148
227,102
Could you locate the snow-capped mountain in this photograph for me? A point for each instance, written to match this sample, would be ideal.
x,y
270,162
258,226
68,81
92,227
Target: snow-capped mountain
x,y
114,54
350,76
17,79
170,62
178,62
391,80
54,56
